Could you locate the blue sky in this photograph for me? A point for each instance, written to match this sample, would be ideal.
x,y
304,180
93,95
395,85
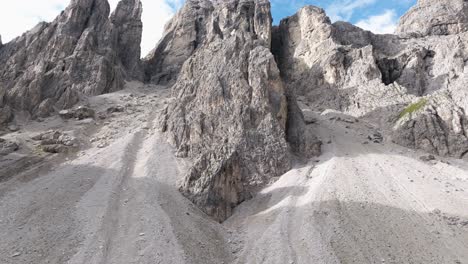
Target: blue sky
x,y
379,16
348,10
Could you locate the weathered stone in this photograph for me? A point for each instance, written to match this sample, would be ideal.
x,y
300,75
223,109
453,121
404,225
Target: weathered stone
x,y
438,127
80,113
427,158
115,109
57,148
435,17
341,67
82,51
13,128
83,112
5,115
300,137
7,147
52,134
230,111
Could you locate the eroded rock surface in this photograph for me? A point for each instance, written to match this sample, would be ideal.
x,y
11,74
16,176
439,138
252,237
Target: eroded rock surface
x,y
435,17
82,52
230,112
339,66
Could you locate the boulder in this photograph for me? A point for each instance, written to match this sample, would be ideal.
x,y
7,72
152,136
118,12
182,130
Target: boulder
x,y
80,113
7,147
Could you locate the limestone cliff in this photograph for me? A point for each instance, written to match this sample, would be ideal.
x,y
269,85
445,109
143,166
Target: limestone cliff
x,y
82,52
230,110
342,67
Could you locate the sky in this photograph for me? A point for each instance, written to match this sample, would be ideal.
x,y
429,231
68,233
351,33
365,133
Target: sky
x,y
378,16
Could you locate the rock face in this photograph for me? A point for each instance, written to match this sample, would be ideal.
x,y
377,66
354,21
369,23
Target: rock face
x,y
437,125
231,111
435,17
82,52
182,36
345,68
334,65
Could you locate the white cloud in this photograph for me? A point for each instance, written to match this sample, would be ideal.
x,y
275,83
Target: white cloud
x,y
343,10
384,23
16,17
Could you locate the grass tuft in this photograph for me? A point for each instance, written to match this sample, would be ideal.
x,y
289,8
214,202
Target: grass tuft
x,y
413,108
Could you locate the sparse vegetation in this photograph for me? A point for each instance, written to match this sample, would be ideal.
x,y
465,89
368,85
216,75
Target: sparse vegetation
x,y
413,108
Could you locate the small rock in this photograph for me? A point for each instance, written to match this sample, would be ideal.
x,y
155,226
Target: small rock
x,y
7,147
56,148
13,128
115,109
16,254
80,113
66,114
376,137
83,112
427,158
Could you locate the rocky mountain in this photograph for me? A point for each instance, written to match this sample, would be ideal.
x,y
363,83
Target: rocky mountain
x,y
235,141
240,86
231,112
415,86
82,52
429,17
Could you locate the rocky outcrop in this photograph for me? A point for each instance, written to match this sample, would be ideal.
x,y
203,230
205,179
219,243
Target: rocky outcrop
x,y
435,17
230,113
339,66
183,34
7,147
82,52
434,124
334,66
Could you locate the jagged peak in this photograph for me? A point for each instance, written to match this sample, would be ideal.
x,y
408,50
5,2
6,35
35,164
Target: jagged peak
x,y
127,10
435,17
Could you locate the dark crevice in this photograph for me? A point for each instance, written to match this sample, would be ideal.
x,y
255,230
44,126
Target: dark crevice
x,y
391,70
464,154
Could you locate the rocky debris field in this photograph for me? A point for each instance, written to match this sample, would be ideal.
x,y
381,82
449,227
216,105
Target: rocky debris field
x,y
114,198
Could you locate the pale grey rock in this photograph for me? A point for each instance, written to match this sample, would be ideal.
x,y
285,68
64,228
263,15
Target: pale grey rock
x,y
5,115
439,127
183,34
82,52
334,66
435,17
299,135
230,110
339,66
56,142
81,112
7,147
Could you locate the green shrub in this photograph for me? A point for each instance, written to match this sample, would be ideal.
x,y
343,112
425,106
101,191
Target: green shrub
x,y
413,108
